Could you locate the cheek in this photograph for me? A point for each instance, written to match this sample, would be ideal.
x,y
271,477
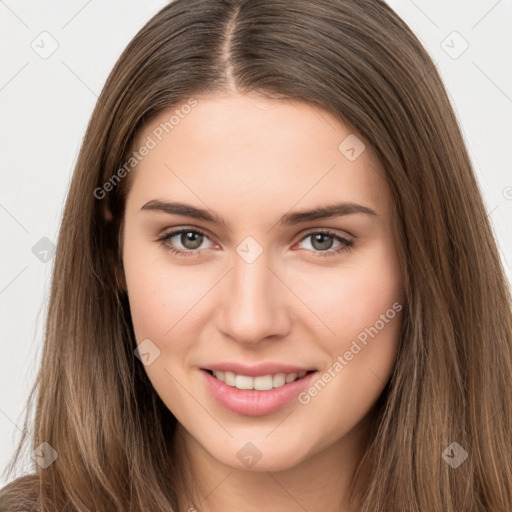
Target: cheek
x,y
361,354
149,297
156,294
361,303
352,296
167,300
359,361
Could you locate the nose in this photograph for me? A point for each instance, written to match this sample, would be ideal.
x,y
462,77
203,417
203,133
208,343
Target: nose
x,y
254,303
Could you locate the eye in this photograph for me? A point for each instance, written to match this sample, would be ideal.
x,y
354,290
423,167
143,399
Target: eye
x,y
190,239
323,240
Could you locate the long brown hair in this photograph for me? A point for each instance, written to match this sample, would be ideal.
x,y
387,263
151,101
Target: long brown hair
x,y
452,379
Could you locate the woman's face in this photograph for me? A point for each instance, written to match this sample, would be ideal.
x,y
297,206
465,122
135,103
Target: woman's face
x,y
263,286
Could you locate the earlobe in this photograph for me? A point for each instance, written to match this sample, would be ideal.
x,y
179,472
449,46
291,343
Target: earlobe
x,y
121,279
107,214
117,262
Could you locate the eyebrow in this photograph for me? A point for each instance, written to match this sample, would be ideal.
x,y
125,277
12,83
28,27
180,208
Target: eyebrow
x,y
288,219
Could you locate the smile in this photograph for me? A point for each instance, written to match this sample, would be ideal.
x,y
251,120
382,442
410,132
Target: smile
x,y
258,395
261,383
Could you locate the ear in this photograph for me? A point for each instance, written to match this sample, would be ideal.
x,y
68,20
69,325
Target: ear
x,y
107,214
120,277
117,261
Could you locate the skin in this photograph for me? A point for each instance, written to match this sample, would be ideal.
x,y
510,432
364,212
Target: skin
x,y
252,159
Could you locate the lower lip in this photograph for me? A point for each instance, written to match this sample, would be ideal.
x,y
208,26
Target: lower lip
x,y
253,402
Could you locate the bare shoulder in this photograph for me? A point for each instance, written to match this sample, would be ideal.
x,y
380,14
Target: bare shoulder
x,y
20,495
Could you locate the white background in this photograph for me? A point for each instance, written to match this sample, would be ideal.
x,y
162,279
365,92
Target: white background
x,y
45,105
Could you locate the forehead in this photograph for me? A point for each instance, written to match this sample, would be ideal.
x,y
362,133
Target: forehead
x,y
247,148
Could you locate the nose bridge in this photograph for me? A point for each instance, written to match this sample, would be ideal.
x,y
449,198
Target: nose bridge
x,y
253,307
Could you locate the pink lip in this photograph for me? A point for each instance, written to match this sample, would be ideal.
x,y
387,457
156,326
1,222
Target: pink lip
x,y
258,369
253,402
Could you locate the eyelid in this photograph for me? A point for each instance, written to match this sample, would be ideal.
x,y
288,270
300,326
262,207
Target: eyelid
x,y
180,229
346,243
332,232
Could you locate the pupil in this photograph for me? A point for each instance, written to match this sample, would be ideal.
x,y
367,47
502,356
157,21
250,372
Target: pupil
x,y
187,239
323,245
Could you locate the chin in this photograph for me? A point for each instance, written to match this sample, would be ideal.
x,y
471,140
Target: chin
x,y
258,456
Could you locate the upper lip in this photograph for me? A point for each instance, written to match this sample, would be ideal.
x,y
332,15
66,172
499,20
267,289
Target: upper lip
x,y
257,370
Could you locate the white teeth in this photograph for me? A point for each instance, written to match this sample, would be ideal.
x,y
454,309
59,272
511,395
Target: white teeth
x,y
261,383
244,382
279,380
290,377
229,378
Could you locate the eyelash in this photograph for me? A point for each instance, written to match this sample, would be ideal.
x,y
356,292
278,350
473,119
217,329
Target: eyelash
x,y
346,244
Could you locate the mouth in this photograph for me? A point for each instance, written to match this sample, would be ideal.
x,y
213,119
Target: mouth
x,y
258,383
258,395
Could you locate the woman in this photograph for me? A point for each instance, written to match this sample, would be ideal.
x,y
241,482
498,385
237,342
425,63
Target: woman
x,y
275,282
